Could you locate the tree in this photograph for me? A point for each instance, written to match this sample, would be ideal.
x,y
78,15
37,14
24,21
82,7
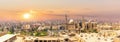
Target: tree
x,y
11,31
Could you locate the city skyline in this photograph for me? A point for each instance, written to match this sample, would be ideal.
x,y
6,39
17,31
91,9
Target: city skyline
x,y
59,20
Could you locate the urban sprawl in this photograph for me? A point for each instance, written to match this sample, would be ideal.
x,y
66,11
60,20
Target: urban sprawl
x,y
68,31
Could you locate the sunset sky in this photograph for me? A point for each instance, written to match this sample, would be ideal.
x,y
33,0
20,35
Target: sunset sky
x,y
14,9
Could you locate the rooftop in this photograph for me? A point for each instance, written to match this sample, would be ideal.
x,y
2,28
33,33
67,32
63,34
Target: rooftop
x,y
6,37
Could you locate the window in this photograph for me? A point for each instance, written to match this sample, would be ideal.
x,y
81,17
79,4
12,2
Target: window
x,y
36,41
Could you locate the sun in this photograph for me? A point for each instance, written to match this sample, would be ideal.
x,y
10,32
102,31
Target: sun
x,y
26,15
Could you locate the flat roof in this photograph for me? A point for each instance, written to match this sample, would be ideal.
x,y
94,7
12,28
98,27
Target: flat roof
x,y
50,38
6,37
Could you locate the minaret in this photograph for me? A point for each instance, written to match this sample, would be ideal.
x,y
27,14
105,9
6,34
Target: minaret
x,y
83,23
66,20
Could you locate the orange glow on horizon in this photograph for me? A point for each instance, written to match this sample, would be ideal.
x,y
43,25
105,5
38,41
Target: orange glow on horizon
x,y
26,15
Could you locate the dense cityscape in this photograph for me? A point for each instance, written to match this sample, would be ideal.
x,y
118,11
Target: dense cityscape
x,y
68,31
59,20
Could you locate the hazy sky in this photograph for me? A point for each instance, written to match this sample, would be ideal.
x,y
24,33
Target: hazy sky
x,y
12,9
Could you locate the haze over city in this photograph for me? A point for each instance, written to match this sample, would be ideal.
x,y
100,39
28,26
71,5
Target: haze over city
x,y
52,9
59,20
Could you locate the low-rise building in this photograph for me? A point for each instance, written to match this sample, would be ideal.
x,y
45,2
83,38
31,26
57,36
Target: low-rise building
x,y
8,38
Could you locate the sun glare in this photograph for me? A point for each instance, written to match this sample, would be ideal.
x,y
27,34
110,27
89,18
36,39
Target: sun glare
x,y
26,15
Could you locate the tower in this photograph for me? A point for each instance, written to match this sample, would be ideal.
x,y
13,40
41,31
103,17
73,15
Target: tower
x,y
66,20
83,23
